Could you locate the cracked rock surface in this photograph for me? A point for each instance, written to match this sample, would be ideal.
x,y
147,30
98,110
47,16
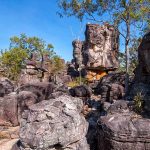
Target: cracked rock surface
x,y
54,125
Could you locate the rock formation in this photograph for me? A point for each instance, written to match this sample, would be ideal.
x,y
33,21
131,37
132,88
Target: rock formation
x,y
36,70
123,128
111,87
98,53
142,73
101,46
54,124
143,70
6,86
12,105
77,53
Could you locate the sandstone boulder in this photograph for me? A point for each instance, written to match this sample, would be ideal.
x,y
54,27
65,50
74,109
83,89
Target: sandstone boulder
x,y
111,87
143,70
54,124
6,86
142,74
101,46
123,129
80,91
9,110
41,89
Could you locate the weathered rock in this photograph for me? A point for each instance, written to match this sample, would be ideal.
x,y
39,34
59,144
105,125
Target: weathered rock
x,y
142,74
122,131
143,70
111,87
9,133
97,54
62,79
26,99
2,90
101,46
41,89
7,144
77,53
119,106
80,91
6,86
9,110
54,124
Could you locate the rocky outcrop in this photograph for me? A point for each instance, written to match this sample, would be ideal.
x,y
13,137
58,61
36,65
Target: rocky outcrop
x,y
36,70
101,46
98,53
123,129
54,124
12,105
8,110
143,70
77,53
142,73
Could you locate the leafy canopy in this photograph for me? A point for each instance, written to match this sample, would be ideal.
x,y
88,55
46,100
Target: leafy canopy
x,y
20,49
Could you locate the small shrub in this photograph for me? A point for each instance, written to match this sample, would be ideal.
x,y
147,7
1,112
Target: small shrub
x,y
138,101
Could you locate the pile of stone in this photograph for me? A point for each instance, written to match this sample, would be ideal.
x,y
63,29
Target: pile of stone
x,y
35,70
48,117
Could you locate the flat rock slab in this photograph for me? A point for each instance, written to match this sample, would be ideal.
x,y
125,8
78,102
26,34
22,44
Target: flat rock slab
x,y
125,131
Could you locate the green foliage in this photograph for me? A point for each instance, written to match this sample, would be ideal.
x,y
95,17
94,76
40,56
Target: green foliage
x,y
119,10
138,101
133,58
20,49
11,62
57,64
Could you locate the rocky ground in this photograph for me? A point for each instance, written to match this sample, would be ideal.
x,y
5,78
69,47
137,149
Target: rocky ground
x,y
48,116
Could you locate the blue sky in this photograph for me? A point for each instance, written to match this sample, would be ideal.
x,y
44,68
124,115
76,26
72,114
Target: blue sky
x,y
39,18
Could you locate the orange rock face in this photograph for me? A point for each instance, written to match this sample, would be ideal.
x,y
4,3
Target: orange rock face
x,y
95,75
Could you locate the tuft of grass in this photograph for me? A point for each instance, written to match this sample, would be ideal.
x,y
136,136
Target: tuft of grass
x,y
76,82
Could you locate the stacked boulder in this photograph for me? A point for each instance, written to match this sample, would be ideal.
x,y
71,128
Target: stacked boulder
x,y
14,103
49,118
98,53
